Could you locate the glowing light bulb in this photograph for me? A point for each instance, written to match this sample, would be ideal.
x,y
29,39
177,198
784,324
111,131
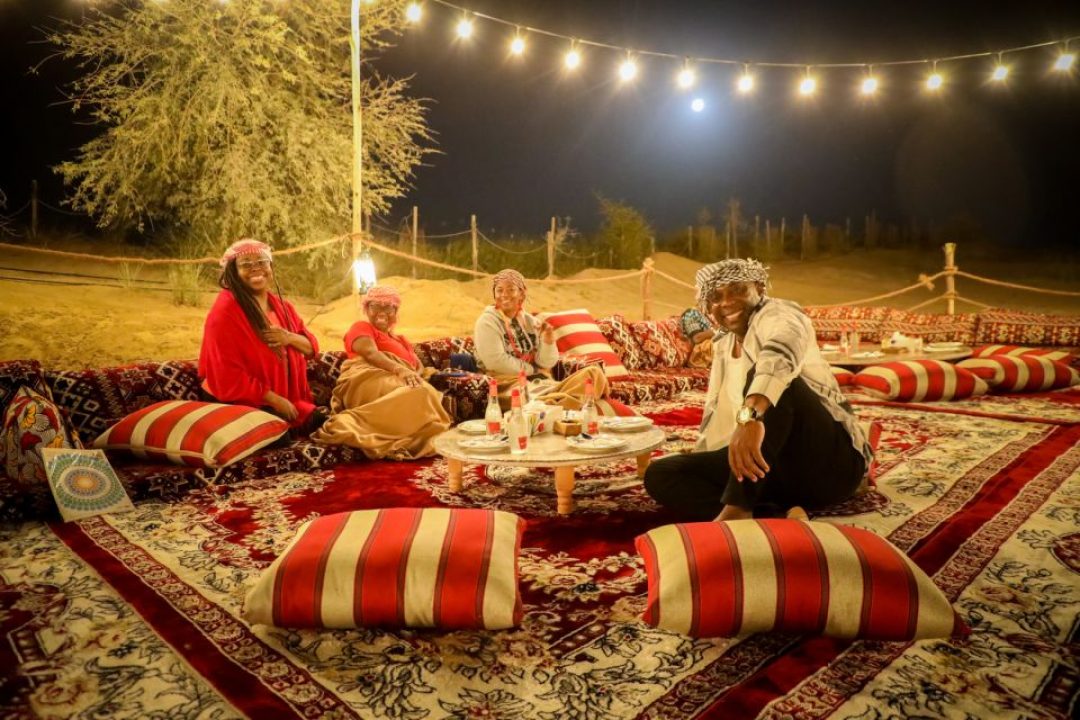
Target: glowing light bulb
x,y
1065,61
464,28
1000,73
697,105
572,60
934,81
414,12
686,78
517,45
627,70
746,82
869,85
807,86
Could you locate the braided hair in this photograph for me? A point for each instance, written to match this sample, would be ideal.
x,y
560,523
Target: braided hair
x,y
230,280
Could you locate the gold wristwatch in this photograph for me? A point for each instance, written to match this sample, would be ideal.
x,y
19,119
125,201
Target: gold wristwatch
x,y
746,415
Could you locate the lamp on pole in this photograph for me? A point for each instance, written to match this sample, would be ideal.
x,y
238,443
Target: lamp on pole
x,y
363,269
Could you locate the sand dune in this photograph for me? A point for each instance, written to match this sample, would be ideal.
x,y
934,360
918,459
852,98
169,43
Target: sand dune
x,y
93,324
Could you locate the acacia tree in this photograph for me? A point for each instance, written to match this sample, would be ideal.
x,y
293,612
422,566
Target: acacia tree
x,y
626,231
230,119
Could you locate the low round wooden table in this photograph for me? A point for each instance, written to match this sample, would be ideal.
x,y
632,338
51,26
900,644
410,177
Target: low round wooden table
x,y
549,450
835,358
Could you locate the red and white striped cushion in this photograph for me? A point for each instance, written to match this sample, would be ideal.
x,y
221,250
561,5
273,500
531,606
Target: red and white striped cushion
x,y
842,375
577,334
918,380
1021,373
193,433
402,567
723,579
1063,356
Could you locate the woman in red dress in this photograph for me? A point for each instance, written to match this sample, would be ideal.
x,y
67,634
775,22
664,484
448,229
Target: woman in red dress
x,y
255,347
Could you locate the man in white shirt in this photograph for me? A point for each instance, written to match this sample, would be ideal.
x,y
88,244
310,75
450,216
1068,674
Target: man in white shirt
x,y
777,432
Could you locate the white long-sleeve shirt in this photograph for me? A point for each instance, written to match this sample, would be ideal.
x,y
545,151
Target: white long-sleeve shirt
x,y
781,345
494,353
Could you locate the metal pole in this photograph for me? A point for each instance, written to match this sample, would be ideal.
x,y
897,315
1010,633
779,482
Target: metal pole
x,y
358,142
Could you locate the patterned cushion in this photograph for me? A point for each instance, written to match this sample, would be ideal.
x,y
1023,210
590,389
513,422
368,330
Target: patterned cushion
x,y
732,578
842,375
577,334
32,423
658,385
1023,373
436,353
829,322
931,327
1027,328
323,370
918,380
15,374
662,342
617,333
403,567
84,484
1064,356
194,433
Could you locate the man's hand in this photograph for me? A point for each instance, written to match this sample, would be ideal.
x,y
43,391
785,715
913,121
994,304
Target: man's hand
x,y
744,452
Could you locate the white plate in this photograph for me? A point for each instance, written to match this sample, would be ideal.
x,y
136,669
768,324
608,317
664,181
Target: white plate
x,y
945,346
473,427
597,444
484,444
868,354
626,424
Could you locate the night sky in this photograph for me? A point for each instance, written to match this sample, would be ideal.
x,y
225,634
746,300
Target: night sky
x,y
522,141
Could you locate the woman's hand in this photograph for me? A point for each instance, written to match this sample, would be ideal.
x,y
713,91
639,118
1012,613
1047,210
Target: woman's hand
x,y
277,337
409,377
281,406
547,333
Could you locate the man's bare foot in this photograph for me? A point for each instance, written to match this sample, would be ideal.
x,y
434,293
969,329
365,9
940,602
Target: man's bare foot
x,y
797,513
730,512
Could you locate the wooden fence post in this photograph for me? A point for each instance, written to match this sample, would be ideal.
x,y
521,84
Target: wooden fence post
x,y
475,246
646,289
768,238
803,238
757,233
690,241
783,233
415,223
551,248
950,279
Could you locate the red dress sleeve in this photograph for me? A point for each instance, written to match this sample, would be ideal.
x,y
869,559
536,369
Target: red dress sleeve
x,y
361,328
227,354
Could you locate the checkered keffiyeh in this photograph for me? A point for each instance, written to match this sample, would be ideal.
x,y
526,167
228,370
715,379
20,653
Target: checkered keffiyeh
x,y
510,275
382,294
724,272
246,246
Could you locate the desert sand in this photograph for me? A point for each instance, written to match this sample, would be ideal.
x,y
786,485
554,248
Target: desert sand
x,y
76,313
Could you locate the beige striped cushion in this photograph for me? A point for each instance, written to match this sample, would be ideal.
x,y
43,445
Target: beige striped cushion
x,y
578,335
1021,373
919,380
723,579
402,567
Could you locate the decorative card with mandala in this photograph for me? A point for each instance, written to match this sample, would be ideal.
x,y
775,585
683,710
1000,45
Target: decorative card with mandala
x,y
84,484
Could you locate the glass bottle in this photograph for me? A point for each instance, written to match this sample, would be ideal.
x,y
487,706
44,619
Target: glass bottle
x,y
590,420
517,425
845,342
493,413
523,387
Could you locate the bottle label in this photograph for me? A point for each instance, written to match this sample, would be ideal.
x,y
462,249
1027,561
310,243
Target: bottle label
x,y
494,427
593,428
523,442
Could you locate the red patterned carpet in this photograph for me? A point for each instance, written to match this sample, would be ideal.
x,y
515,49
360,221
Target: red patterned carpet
x,y
136,615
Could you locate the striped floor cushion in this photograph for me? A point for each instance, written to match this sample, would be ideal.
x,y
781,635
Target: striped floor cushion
x,y
919,380
1063,356
724,579
1021,373
578,335
843,376
403,567
189,432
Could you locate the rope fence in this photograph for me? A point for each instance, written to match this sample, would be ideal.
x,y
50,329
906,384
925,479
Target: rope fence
x,y
646,273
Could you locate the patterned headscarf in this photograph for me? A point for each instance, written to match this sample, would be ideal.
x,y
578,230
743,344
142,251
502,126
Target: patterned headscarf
x,y
382,294
510,275
724,272
246,246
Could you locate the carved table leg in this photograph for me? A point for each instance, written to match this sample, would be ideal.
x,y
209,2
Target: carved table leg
x,y
455,467
564,489
643,464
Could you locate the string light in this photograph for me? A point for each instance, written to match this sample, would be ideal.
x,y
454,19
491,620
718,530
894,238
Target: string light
x,y
1065,60
934,81
746,80
808,84
572,59
1001,70
697,105
517,45
465,28
686,78
414,12
628,69
870,83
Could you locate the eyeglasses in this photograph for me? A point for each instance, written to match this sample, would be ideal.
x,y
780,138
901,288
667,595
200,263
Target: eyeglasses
x,y
253,265
376,307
